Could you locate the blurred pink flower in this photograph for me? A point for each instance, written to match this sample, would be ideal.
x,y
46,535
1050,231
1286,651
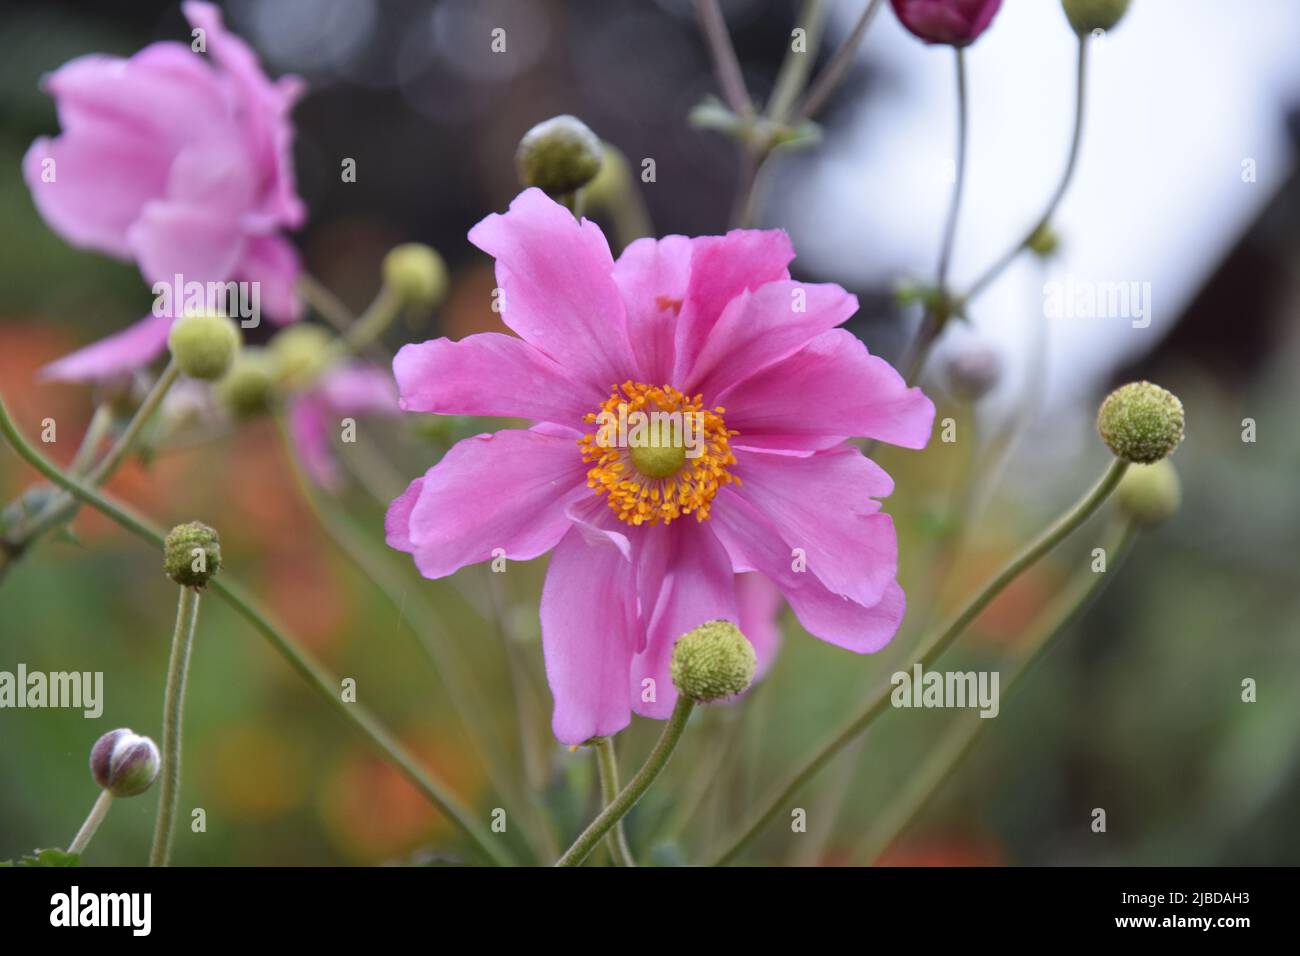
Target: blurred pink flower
x,y
640,559
179,162
954,22
346,390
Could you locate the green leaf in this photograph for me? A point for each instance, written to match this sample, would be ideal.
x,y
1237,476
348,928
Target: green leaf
x,y
50,857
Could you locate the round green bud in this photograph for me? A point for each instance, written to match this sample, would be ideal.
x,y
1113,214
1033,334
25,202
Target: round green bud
x,y
299,354
1088,15
124,763
417,274
1140,422
559,156
247,390
607,190
1149,495
713,661
204,345
192,554
1044,242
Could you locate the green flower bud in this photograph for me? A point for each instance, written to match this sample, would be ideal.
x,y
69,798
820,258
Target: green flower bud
x,y
247,390
1044,242
606,191
713,661
1149,495
204,345
1088,15
124,763
417,274
192,554
559,156
1140,422
299,353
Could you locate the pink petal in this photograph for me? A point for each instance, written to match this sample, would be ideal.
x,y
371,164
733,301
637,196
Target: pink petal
x,y
759,603
177,238
506,490
262,111
309,424
831,387
132,348
359,388
755,545
761,327
722,267
100,184
272,262
164,96
697,586
397,522
588,624
560,297
491,374
825,506
652,276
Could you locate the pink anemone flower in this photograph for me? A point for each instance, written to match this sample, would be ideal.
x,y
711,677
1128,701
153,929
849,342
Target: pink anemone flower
x,y
648,539
180,162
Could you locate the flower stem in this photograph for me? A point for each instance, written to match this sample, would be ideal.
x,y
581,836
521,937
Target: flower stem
x,y
636,787
93,820
607,767
997,268
62,507
725,63
942,759
796,66
931,648
430,630
284,643
187,618
937,316
838,68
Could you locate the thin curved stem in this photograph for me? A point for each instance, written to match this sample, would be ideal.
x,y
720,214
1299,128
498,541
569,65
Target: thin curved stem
x,y
607,768
93,820
636,788
943,758
959,182
284,643
1000,265
725,64
62,507
931,649
796,66
187,618
937,316
835,71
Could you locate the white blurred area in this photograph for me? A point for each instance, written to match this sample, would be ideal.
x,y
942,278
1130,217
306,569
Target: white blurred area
x,y
1179,95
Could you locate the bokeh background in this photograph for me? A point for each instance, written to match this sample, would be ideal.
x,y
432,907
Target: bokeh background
x,y
1138,708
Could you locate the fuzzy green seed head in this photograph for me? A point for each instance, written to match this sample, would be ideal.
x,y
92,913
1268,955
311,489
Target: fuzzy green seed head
x,y
248,389
299,354
192,554
1141,423
559,156
417,274
713,661
1149,495
1088,15
1044,242
204,344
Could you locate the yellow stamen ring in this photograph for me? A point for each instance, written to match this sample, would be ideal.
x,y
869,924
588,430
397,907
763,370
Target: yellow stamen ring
x,y
660,473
